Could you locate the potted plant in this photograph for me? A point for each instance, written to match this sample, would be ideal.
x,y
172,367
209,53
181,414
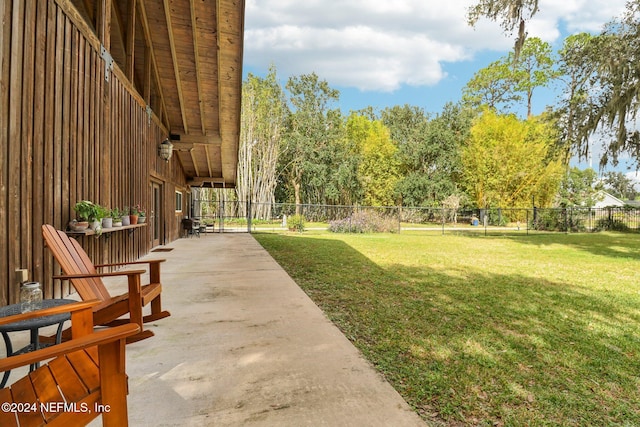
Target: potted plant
x,y
107,219
96,216
125,216
116,216
84,211
133,215
140,211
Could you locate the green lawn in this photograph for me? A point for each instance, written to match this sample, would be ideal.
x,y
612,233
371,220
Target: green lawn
x,y
475,330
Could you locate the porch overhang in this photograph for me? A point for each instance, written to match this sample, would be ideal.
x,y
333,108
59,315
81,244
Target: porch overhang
x,y
184,57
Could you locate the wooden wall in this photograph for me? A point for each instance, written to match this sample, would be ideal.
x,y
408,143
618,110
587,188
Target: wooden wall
x,y
69,130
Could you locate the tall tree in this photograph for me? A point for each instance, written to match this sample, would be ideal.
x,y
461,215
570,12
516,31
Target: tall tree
x,y
510,13
314,133
578,188
493,86
428,152
616,56
504,83
535,69
620,185
378,166
261,127
576,75
507,161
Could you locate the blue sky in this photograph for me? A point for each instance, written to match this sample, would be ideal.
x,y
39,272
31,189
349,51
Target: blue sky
x,y
382,53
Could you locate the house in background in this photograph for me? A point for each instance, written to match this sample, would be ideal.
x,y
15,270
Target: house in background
x,y
606,200
89,90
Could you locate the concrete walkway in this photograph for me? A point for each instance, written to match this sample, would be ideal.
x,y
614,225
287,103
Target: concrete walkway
x,y
245,346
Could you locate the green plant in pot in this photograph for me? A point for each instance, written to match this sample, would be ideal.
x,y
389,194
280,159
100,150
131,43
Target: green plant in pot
x,y
116,215
107,219
95,219
85,212
125,216
140,212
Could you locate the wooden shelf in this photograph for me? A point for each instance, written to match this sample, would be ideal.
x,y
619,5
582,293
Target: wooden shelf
x,y
89,232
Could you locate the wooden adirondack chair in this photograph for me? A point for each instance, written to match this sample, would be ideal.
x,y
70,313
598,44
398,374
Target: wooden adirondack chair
x,y
79,269
87,372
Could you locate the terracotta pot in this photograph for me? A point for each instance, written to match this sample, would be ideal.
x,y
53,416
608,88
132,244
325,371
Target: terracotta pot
x,y
133,219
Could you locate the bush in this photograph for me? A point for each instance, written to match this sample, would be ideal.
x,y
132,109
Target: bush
x,y
364,222
611,224
549,220
296,223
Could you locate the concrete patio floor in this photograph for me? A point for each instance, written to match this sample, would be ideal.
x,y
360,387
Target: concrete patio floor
x,y
245,346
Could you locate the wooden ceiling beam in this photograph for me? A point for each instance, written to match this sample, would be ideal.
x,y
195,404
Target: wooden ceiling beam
x,y
201,181
154,64
116,27
130,40
208,157
192,153
176,68
218,62
199,139
196,53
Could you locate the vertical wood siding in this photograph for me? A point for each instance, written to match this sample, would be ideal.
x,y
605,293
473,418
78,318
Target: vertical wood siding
x,y
68,134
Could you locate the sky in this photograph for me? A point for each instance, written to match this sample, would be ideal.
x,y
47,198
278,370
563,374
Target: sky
x,y
382,53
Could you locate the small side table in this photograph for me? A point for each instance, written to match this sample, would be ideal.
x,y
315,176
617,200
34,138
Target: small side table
x,y
32,325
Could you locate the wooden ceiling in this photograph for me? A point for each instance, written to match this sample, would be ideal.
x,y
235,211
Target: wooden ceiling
x,y
185,59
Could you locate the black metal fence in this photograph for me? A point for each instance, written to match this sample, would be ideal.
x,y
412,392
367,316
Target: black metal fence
x,y
248,217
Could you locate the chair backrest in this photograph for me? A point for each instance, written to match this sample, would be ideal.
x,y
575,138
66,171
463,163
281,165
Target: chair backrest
x,y
74,260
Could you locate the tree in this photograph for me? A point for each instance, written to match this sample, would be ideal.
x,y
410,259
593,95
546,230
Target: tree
x,y
428,151
512,13
620,185
261,127
508,161
577,74
312,148
493,86
378,165
534,69
615,55
578,188
504,83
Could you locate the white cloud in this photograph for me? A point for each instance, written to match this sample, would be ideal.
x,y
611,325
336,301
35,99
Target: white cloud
x,y
380,45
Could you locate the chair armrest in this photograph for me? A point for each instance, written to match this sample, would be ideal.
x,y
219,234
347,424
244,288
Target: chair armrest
x,y
151,261
89,275
65,308
101,337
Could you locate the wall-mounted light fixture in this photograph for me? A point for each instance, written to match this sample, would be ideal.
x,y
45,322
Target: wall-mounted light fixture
x,y
165,150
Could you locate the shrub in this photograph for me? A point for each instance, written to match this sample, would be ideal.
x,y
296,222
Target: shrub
x,y
364,222
549,220
611,224
296,223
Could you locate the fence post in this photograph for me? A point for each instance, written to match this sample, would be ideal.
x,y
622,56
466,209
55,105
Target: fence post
x,y
249,216
399,219
486,220
221,215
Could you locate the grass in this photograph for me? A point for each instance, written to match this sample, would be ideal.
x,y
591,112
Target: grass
x,y
496,331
